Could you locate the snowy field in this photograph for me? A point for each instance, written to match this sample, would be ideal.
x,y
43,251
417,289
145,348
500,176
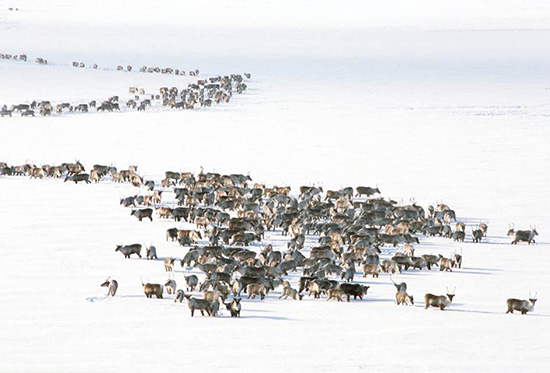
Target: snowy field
x,y
432,100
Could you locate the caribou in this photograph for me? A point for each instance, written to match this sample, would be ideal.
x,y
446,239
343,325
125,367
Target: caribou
x,y
477,235
234,307
199,304
143,213
368,191
403,298
151,252
445,264
192,281
152,289
170,285
440,301
78,177
112,286
523,235
456,259
521,305
168,264
128,250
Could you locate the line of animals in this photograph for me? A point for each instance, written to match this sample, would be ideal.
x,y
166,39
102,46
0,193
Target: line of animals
x,y
129,68
144,69
216,89
351,225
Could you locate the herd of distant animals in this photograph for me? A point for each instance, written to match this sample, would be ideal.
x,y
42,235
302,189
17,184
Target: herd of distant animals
x,y
352,227
205,92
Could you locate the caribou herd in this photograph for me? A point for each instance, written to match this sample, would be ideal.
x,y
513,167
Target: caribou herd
x,y
203,92
331,237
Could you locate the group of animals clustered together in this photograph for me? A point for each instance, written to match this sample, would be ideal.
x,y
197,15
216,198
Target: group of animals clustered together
x,y
215,89
227,219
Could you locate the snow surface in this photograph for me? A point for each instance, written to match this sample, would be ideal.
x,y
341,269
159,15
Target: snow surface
x,y
436,100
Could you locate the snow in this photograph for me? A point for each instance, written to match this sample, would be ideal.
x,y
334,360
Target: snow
x,y
433,100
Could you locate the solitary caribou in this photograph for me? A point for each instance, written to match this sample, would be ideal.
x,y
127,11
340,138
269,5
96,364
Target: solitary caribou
x,y
527,236
440,301
128,250
521,305
112,285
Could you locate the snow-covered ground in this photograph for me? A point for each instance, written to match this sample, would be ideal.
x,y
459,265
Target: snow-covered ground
x,y
433,100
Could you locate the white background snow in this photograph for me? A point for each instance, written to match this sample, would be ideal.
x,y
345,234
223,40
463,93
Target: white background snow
x,y
436,100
